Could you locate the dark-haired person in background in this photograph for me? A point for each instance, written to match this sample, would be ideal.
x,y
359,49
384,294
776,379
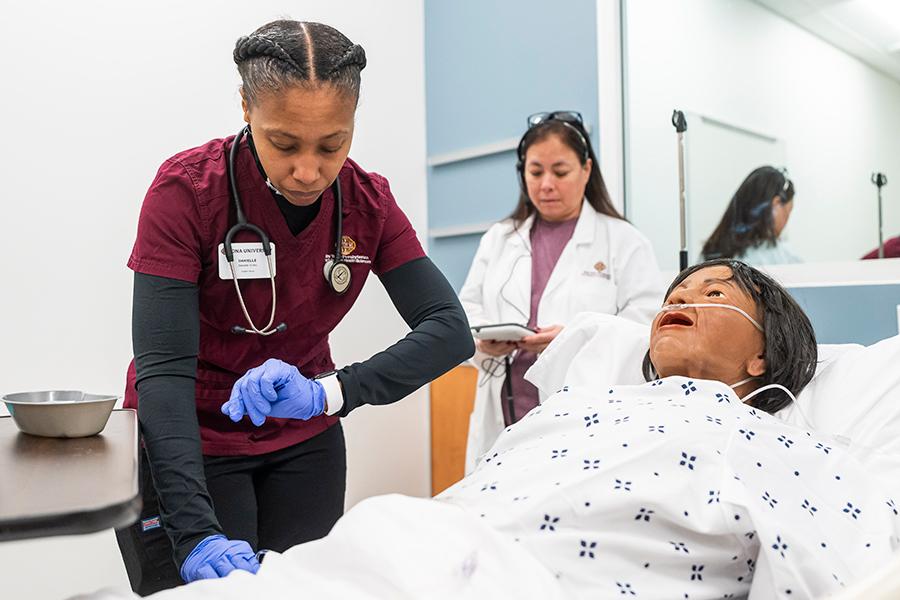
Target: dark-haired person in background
x,y
240,421
755,217
564,249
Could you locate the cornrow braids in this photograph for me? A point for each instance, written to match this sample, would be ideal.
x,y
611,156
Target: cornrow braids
x,y
285,53
354,56
259,46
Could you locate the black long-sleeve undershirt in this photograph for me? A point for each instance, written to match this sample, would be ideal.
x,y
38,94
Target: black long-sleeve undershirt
x,y
440,339
165,331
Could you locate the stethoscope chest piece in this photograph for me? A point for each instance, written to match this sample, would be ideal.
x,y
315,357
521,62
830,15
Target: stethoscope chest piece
x,y
337,275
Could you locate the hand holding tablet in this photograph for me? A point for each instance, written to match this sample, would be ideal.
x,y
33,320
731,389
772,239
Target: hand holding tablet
x,y
502,332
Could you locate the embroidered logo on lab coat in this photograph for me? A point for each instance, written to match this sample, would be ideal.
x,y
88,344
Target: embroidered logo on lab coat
x,y
599,270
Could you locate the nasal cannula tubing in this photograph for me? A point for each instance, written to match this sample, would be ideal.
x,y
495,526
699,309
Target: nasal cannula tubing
x,y
671,307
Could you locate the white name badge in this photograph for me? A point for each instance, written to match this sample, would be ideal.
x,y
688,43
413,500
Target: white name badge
x,y
249,261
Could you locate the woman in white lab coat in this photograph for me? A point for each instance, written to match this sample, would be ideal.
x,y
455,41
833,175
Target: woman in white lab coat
x,y
564,250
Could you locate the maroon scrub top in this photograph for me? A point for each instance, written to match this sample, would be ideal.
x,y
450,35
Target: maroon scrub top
x,y
891,249
184,218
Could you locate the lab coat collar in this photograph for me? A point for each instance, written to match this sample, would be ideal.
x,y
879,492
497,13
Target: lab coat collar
x,y
584,231
521,237
586,226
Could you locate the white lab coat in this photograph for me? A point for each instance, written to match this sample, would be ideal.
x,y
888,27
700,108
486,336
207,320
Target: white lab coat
x,y
498,290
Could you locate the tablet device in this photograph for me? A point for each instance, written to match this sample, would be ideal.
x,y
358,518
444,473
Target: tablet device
x,y
502,332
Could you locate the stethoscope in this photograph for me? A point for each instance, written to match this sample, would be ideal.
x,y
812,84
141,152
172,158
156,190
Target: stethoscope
x,y
337,273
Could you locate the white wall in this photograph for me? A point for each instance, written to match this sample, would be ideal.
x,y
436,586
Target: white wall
x,y
738,62
95,96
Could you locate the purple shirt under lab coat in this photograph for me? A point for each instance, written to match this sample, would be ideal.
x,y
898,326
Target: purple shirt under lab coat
x,y
547,242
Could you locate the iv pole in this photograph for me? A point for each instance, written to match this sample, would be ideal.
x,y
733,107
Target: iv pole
x,y
880,180
680,124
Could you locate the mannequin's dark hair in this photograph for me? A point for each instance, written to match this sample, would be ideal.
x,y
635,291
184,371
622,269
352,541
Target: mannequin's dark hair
x,y
285,53
595,191
747,222
790,343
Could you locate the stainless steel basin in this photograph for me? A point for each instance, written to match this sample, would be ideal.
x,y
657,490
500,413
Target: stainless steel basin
x,y
60,413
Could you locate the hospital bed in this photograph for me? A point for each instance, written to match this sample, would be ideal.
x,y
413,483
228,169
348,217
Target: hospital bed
x,y
853,395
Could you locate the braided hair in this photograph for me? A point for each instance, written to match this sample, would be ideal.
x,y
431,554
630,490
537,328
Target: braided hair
x,y
284,53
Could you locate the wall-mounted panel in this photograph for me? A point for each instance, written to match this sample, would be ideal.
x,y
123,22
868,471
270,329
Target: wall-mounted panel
x,y
488,66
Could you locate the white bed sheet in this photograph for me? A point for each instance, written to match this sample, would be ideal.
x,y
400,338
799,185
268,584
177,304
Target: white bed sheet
x,y
388,548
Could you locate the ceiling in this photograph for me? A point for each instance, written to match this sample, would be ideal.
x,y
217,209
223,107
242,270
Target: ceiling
x,y
867,29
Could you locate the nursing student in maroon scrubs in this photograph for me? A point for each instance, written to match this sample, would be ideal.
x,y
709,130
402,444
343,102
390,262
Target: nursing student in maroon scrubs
x,y
238,400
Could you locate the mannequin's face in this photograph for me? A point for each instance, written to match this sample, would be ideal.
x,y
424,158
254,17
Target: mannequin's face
x,y
708,343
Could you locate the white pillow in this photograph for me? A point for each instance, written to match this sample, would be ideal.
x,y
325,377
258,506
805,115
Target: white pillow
x,y
855,392
595,349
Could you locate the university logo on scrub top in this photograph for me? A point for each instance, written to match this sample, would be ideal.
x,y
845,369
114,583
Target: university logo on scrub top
x,y
348,246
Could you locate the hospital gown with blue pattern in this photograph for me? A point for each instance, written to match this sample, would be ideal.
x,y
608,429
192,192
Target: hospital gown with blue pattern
x,y
676,489
669,490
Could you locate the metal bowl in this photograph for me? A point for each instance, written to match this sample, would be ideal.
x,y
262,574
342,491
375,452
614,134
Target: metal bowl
x,y
60,413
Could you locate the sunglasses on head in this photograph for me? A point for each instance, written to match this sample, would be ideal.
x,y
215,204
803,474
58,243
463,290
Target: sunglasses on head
x,y
567,116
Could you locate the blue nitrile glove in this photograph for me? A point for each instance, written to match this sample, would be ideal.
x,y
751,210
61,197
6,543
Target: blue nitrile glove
x,y
275,389
217,556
